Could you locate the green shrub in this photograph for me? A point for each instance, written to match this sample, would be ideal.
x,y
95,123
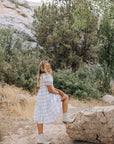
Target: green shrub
x,y
18,62
86,83
103,76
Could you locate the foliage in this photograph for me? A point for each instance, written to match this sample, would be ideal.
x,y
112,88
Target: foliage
x,y
18,62
103,78
59,41
105,33
89,81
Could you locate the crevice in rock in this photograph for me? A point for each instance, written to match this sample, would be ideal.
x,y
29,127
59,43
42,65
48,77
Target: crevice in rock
x,y
97,138
10,7
22,14
103,113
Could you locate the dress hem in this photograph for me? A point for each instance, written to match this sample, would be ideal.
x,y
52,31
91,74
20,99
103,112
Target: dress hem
x,y
48,121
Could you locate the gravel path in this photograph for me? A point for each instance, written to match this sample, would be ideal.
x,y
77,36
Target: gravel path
x,y
19,131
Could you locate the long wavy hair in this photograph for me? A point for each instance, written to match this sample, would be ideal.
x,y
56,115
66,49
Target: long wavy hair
x,y
42,69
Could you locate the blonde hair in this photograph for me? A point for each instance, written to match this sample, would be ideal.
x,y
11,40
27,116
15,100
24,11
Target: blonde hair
x,y
42,69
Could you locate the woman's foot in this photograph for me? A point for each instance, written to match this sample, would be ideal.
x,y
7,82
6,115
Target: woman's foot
x,y
41,139
67,119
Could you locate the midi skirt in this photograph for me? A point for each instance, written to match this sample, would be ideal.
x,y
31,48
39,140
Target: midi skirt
x,y
47,106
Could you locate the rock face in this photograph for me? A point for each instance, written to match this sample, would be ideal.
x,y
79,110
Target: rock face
x,y
19,18
109,99
18,15
93,125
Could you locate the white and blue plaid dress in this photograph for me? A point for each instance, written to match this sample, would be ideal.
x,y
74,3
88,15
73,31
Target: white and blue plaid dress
x,y
48,104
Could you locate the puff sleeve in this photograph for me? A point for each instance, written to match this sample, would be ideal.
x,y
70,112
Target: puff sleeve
x,y
48,79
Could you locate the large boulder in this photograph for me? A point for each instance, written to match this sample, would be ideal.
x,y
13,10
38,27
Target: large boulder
x,y
108,99
94,125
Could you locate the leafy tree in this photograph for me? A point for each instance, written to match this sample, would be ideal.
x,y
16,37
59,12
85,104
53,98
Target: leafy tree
x,y
58,40
105,33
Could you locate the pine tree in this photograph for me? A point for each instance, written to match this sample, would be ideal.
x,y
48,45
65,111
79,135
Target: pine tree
x,y
58,40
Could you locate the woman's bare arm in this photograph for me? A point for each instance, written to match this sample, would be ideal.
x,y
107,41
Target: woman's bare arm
x,y
51,90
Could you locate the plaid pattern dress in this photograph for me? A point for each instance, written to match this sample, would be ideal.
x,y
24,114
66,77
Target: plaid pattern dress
x,y
48,104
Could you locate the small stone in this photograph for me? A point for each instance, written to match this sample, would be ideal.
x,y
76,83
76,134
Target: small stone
x,y
109,99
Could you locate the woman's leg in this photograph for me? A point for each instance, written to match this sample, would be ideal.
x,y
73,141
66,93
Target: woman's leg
x,y
40,128
65,100
66,118
41,138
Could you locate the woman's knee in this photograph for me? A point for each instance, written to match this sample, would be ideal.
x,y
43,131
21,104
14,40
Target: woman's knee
x,y
66,96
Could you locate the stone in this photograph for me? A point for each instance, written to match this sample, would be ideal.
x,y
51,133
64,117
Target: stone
x,y
71,106
22,99
94,125
20,19
7,5
108,99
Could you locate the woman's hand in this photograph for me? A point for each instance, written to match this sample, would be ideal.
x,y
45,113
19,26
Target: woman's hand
x,y
57,92
61,93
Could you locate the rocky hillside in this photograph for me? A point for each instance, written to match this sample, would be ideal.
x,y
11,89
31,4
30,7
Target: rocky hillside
x,y
18,15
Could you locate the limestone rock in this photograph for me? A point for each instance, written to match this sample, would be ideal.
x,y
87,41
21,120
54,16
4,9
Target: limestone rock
x,y
20,19
22,99
93,125
8,5
109,99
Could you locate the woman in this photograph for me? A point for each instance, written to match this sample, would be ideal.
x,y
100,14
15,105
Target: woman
x,y
48,101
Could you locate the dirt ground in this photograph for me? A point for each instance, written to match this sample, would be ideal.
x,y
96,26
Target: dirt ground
x,y
19,131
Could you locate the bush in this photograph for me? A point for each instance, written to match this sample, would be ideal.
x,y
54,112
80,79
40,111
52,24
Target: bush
x,y
86,83
18,62
103,76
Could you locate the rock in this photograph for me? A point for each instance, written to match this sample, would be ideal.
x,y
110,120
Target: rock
x,y
21,12
71,106
109,99
20,19
22,99
7,5
94,125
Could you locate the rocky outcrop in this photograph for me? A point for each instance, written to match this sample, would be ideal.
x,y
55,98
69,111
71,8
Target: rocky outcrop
x,y
17,15
18,18
93,125
109,99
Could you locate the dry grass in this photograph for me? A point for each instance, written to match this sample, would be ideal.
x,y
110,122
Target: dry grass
x,y
8,101
8,96
91,103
